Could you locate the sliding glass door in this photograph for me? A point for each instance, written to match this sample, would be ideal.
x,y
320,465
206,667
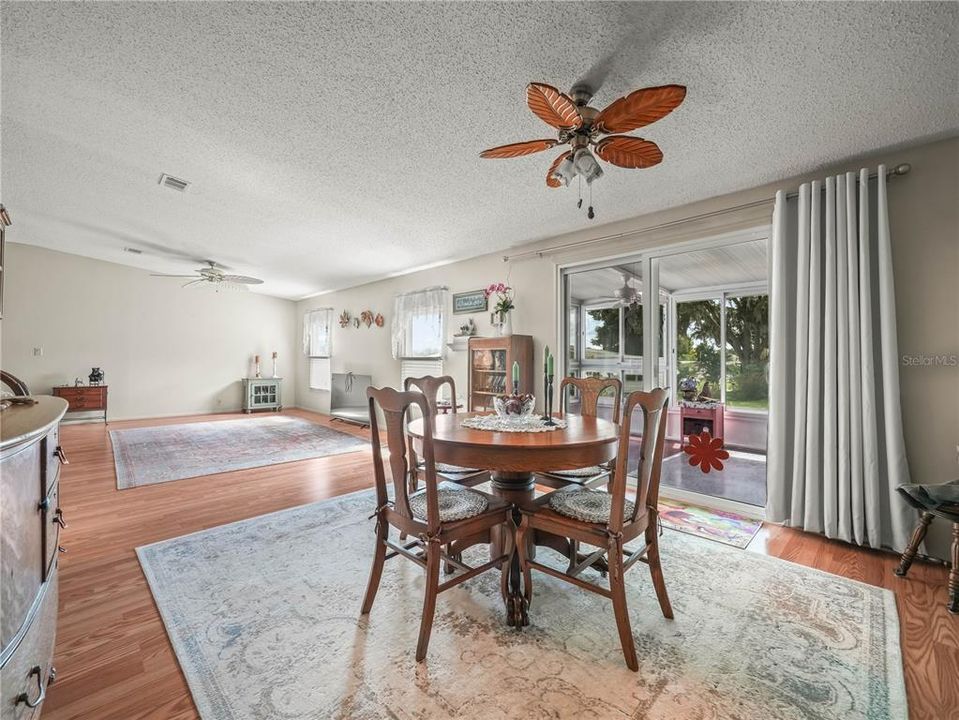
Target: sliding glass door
x,y
710,328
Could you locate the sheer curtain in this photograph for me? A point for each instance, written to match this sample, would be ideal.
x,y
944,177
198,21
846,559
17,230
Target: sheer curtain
x,y
419,323
836,448
318,346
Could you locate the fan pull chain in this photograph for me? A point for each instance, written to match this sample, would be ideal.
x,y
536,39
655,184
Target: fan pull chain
x,y
589,213
579,205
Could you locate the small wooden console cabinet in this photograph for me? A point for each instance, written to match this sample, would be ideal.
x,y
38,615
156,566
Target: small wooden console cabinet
x,y
84,398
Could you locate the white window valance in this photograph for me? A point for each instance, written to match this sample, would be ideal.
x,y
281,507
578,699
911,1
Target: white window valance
x,y
419,323
317,333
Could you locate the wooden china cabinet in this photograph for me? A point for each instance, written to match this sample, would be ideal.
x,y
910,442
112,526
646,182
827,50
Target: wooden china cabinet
x,y
491,368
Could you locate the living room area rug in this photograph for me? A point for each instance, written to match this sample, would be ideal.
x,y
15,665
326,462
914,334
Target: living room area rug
x,y
264,617
719,525
150,455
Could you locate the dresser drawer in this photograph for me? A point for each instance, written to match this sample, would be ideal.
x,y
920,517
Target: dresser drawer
x,y
54,457
21,542
83,398
53,521
29,670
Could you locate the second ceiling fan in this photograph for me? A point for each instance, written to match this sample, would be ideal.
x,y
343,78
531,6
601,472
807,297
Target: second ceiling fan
x,y
587,130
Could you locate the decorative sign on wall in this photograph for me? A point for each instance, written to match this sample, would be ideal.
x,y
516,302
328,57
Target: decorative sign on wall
x,y
473,301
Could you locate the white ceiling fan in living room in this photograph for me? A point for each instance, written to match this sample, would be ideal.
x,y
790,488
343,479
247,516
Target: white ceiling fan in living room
x,y
215,276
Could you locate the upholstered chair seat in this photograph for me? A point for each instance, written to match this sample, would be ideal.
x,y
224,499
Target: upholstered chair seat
x,y
590,506
451,469
586,472
455,503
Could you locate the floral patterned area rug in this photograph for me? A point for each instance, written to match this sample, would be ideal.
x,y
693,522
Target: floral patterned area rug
x,y
150,455
718,525
264,617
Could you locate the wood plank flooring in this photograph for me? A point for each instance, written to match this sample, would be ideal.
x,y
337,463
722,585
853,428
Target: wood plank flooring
x,y
115,662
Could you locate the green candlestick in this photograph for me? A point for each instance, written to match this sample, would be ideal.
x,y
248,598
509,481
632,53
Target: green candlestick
x,y
549,365
515,377
546,359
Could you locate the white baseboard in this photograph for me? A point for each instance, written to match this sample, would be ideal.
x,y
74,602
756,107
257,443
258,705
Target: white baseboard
x,y
70,419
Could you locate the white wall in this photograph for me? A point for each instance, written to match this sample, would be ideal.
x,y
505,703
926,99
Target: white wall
x,y
166,350
924,219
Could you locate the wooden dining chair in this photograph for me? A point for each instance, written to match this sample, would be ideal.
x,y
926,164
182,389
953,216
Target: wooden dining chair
x,y
590,389
607,520
440,514
430,386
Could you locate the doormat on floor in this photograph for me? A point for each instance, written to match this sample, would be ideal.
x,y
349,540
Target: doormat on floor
x,y
725,527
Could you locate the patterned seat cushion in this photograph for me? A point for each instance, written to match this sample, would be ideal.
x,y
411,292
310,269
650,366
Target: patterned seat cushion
x,y
446,468
455,502
587,505
585,472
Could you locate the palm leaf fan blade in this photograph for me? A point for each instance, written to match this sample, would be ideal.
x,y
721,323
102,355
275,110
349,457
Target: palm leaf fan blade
x,y
551,180
518,149
629,152
640,108
552,107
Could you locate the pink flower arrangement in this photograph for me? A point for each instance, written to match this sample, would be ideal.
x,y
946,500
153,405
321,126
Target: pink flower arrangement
x,y
504,294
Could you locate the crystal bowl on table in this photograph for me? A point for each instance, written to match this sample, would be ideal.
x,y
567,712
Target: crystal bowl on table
x,y
514,406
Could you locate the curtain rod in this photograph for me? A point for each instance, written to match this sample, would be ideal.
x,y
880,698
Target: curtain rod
x,y
899,170
423,290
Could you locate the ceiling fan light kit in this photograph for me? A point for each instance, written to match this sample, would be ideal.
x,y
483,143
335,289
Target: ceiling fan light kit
x,y
581,127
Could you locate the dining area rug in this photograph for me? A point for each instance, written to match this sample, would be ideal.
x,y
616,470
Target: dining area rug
x,y
263,615
161,453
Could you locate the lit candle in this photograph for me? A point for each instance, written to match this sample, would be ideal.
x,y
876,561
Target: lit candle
x,y
549,366
515,377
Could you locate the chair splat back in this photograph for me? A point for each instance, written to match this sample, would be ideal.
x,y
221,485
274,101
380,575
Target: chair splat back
x,y
396,406
430,386
653,406
590,388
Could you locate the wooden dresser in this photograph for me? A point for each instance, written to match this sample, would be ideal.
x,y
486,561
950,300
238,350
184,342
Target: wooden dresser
x,y
84,398
30,459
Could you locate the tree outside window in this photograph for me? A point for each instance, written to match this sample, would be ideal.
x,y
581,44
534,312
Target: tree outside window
x,y
747,351
698,341
601,326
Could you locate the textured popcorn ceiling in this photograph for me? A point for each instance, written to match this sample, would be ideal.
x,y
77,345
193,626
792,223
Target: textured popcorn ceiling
x,y
329,144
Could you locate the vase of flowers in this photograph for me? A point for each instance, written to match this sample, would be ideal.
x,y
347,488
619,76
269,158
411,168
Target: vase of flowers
x,y
503,308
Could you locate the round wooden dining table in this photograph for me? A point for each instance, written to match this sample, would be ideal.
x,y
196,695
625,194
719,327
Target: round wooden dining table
x,y
513,458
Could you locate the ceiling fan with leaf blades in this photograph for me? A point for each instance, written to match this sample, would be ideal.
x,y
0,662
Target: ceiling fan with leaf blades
x,y
583,127
214,275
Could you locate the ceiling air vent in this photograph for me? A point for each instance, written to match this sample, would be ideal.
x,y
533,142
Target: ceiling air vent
x,y
173,183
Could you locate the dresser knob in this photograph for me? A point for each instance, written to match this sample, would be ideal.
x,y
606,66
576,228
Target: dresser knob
x,y
58,518
61,456
60,548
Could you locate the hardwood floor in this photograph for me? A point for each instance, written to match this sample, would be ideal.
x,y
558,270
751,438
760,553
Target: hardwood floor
x,y
115,662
